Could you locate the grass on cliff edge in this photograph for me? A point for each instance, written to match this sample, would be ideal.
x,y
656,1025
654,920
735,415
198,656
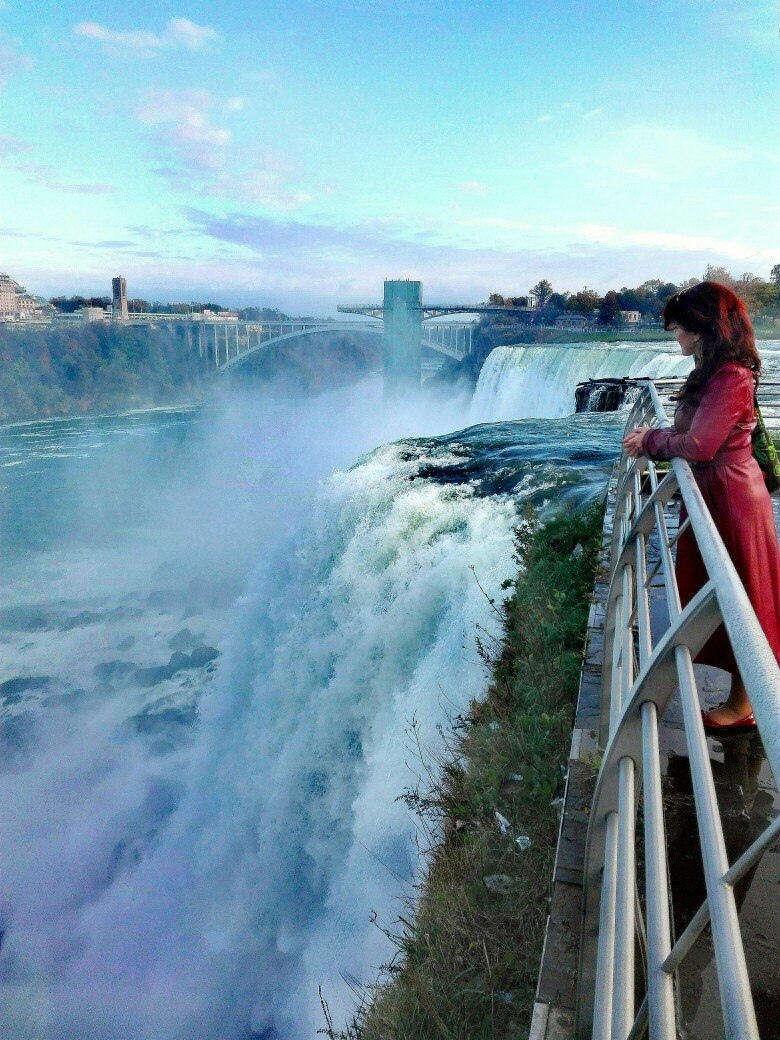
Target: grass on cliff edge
x,y
467,958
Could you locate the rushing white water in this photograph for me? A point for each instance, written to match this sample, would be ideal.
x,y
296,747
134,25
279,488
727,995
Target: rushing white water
x,y
535,381
192,854
289,834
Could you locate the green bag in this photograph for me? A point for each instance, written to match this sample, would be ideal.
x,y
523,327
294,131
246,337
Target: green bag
x,y
765,453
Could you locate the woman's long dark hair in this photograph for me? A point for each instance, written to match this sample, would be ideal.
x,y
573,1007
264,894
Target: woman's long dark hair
x,y
725,333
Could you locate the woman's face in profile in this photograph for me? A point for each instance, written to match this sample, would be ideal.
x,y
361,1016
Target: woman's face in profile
x,y
689,341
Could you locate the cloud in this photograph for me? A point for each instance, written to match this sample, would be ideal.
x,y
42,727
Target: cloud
x,y
46,176
652,151
185,130
11,146
749,22
267,76
12,155
11,61
179,33
325,260
674,242
307,268
193,154
263,185
472,187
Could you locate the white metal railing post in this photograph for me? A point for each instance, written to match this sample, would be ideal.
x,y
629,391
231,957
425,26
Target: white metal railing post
x,y
633,704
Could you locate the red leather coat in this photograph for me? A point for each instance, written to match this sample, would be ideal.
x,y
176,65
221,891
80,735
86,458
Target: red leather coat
x,y
715,438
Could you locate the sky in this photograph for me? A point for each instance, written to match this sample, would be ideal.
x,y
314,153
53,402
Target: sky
x,y
294,153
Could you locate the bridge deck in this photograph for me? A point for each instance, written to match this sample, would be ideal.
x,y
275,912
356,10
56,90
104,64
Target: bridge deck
x,y
748,799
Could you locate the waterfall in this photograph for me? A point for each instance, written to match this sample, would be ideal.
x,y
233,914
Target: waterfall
x,y
539,381
205,886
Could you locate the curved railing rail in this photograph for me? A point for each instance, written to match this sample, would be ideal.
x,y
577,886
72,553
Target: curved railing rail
x,y
638,681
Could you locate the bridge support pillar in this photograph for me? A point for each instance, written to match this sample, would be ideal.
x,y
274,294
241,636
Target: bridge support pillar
x,y
402,336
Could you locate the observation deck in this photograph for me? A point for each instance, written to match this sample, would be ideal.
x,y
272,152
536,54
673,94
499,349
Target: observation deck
x,y
664,917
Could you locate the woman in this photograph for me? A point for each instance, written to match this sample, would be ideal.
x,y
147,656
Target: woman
x,y
712,429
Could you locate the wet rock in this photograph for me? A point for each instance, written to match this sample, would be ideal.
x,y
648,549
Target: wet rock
x,y
202,655
199,658
17,739
80,620
154,719
12,689
24,619
122,613
107,671
185,640
166,728
73,698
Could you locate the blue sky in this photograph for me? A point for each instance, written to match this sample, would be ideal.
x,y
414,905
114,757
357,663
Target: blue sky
x,y
296,153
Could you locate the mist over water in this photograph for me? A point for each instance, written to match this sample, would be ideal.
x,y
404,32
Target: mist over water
x,y
215,628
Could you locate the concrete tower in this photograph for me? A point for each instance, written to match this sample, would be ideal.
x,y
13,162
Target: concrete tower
x,y
402,337
119,287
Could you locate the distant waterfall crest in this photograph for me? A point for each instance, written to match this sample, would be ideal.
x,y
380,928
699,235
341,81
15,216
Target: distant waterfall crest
x,y
539,381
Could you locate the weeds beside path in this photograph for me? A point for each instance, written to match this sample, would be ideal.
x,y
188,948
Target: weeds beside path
x,y
469,945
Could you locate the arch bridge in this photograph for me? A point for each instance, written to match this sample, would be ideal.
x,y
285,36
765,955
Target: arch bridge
x,y
228,344
405,324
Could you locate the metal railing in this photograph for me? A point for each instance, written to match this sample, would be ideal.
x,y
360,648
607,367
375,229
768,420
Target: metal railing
x,y
638,681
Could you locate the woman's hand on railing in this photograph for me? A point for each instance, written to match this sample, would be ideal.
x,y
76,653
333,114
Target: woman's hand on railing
x,y
632,442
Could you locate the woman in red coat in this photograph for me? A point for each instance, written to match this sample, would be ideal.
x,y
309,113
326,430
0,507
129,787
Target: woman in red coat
x,y
712,429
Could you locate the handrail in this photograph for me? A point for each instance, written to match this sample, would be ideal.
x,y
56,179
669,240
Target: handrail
x,y
638,680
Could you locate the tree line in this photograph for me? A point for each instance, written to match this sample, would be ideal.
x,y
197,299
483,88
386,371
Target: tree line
x,y
60,370
761,297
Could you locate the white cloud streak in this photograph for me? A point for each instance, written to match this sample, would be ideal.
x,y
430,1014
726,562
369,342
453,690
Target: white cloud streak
x,y
194,154
184,122
620,238
11,61
653,151
14,155
472,187
179,33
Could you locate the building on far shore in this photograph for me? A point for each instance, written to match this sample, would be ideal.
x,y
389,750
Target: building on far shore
x,y
214,316
119,287
16,304
574,321
90,314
